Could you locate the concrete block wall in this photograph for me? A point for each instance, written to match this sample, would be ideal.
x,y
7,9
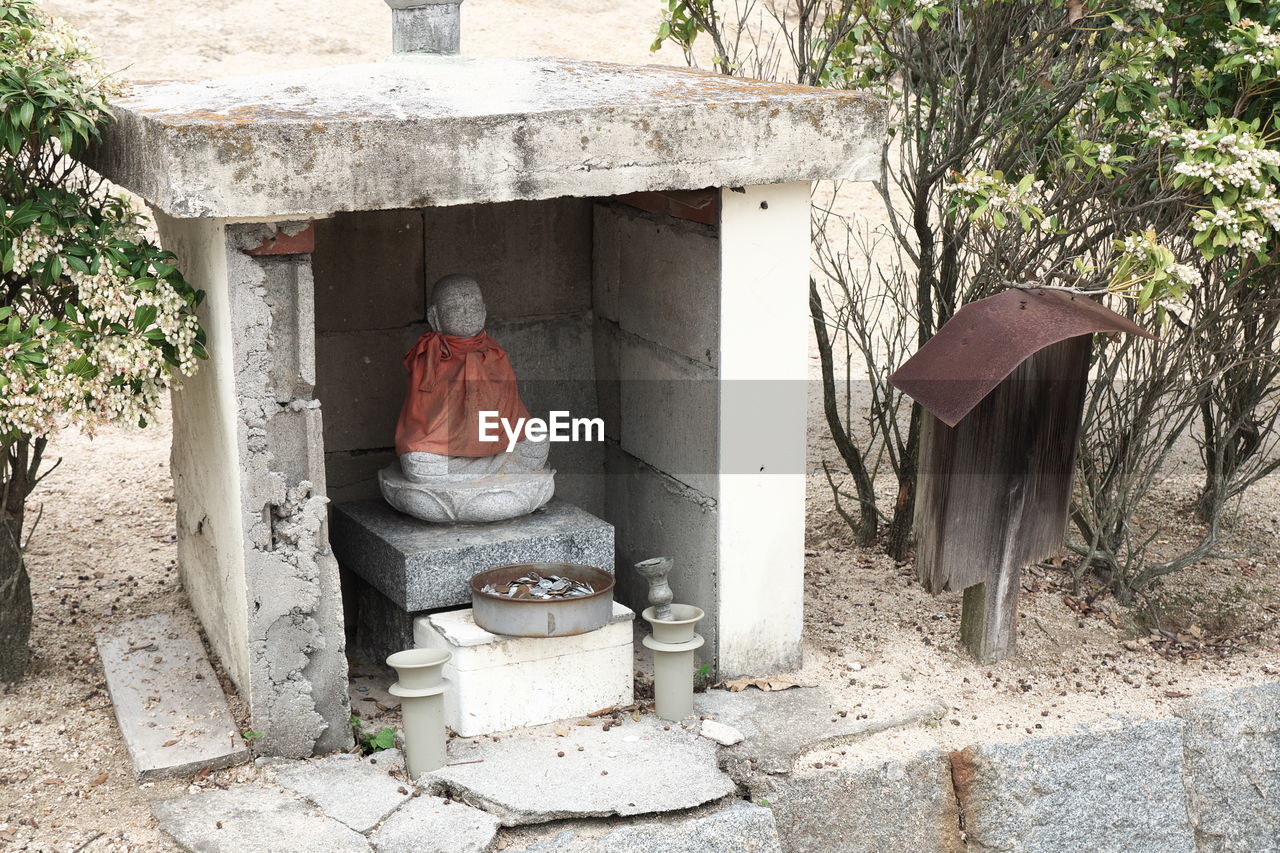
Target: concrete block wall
x,y
250,484
374,272
296,648
656,297
633,314
205,460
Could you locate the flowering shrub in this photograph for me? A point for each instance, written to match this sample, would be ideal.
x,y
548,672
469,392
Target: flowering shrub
x,y
1122,148
1187,86
94,319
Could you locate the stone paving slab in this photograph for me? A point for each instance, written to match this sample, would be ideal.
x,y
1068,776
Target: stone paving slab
x,y
170,706
536,776
347,788
739,828
900,805
1118,788
1232,743
434,825
253,819
421,566
782,725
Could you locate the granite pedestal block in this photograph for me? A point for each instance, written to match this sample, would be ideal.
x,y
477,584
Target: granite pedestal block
x,y
423,566
498,683
405,567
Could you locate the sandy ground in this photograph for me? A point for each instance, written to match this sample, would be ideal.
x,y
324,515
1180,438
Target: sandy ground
x,y
199,39
104,553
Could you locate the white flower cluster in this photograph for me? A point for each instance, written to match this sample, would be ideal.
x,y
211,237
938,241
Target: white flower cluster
x,y
993,189
995,199
1186,274
54,43
1261,52
1156,6
1139,243
1240,161
1248,155
102,370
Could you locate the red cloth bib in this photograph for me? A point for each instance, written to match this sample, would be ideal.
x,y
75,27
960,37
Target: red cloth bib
x,y
451,380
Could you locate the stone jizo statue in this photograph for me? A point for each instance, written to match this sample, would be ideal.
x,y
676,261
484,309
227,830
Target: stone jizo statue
x,y
445,472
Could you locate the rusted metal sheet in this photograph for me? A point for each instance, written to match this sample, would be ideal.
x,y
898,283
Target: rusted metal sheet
x,y
694,205
986,340
301,242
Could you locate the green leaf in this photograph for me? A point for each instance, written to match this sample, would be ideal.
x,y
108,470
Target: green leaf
x,y
144,317
384,739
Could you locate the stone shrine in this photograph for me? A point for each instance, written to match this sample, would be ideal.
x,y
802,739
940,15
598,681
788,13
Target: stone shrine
x,y
639,231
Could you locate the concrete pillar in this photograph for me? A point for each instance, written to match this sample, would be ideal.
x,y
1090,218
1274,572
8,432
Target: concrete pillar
x,y
425,26
764,337
248,463
702,326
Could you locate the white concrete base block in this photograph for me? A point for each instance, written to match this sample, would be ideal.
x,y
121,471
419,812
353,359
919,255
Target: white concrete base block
x,y
498,683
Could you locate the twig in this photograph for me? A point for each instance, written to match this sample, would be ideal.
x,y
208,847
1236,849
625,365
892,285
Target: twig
x,y
1041,626
90,841
472,761
32,532
1061,288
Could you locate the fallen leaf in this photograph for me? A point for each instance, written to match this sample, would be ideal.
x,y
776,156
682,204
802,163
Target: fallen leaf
x,y
169,742
602,712
769,685
562,732
102,777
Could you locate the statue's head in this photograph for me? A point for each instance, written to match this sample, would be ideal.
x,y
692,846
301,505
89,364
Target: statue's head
x,y
457,308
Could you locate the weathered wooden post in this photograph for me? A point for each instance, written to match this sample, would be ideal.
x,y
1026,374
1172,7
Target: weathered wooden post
x,y
1003,387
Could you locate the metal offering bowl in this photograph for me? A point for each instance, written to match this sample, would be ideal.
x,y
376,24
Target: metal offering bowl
x,y
542,617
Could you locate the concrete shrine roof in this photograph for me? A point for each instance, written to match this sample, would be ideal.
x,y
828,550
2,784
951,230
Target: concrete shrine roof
x,y
457,130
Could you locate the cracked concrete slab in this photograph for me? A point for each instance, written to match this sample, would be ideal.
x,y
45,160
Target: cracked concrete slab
x,y
169,704
296,667
536,776
738,828
253,819
779,727
434,825
346,787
